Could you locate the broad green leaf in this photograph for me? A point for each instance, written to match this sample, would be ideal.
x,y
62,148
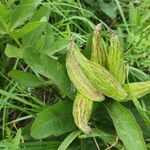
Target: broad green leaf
x,y
25,78
22,12
40,43
53,121
126,126
10,3
28,28
33,37
108,8
48,67
138,74
3,11
2,29
13,51
67,141
90,2
49,37
57,46
43,11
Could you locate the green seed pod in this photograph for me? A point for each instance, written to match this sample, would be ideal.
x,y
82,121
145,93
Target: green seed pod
x,y
115,63
137,89
100,77
82,109
79,79
98,54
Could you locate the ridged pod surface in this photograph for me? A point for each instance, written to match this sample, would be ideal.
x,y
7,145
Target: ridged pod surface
x,y
82,109
79,79
98,54
100,77
115,63
137,89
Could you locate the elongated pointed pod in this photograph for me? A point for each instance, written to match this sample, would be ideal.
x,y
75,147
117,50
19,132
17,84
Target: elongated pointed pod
x,y
98,54
82,109
137,89
104,81
78,77
100,77
115,63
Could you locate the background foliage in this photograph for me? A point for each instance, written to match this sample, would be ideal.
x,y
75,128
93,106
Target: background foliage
x,y
34,85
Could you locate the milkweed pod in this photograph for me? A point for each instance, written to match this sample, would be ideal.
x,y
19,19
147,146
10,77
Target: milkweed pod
x,y
82,109
104,81
98,54
100,77
79,79
115,63
137,89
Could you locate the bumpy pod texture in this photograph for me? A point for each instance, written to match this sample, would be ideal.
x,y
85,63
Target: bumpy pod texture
x,y
100,77
137,89
78,77
98,54
115,63
82,109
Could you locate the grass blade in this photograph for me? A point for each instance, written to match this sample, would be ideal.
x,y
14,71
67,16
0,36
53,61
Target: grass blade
x,y
68,140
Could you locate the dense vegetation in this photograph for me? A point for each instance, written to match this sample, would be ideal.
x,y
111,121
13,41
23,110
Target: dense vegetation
x,y
36,95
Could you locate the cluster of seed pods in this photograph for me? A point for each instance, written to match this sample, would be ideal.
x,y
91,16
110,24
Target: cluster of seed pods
x,y
104,75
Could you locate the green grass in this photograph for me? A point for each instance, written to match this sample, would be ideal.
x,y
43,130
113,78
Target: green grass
x,y
40,31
